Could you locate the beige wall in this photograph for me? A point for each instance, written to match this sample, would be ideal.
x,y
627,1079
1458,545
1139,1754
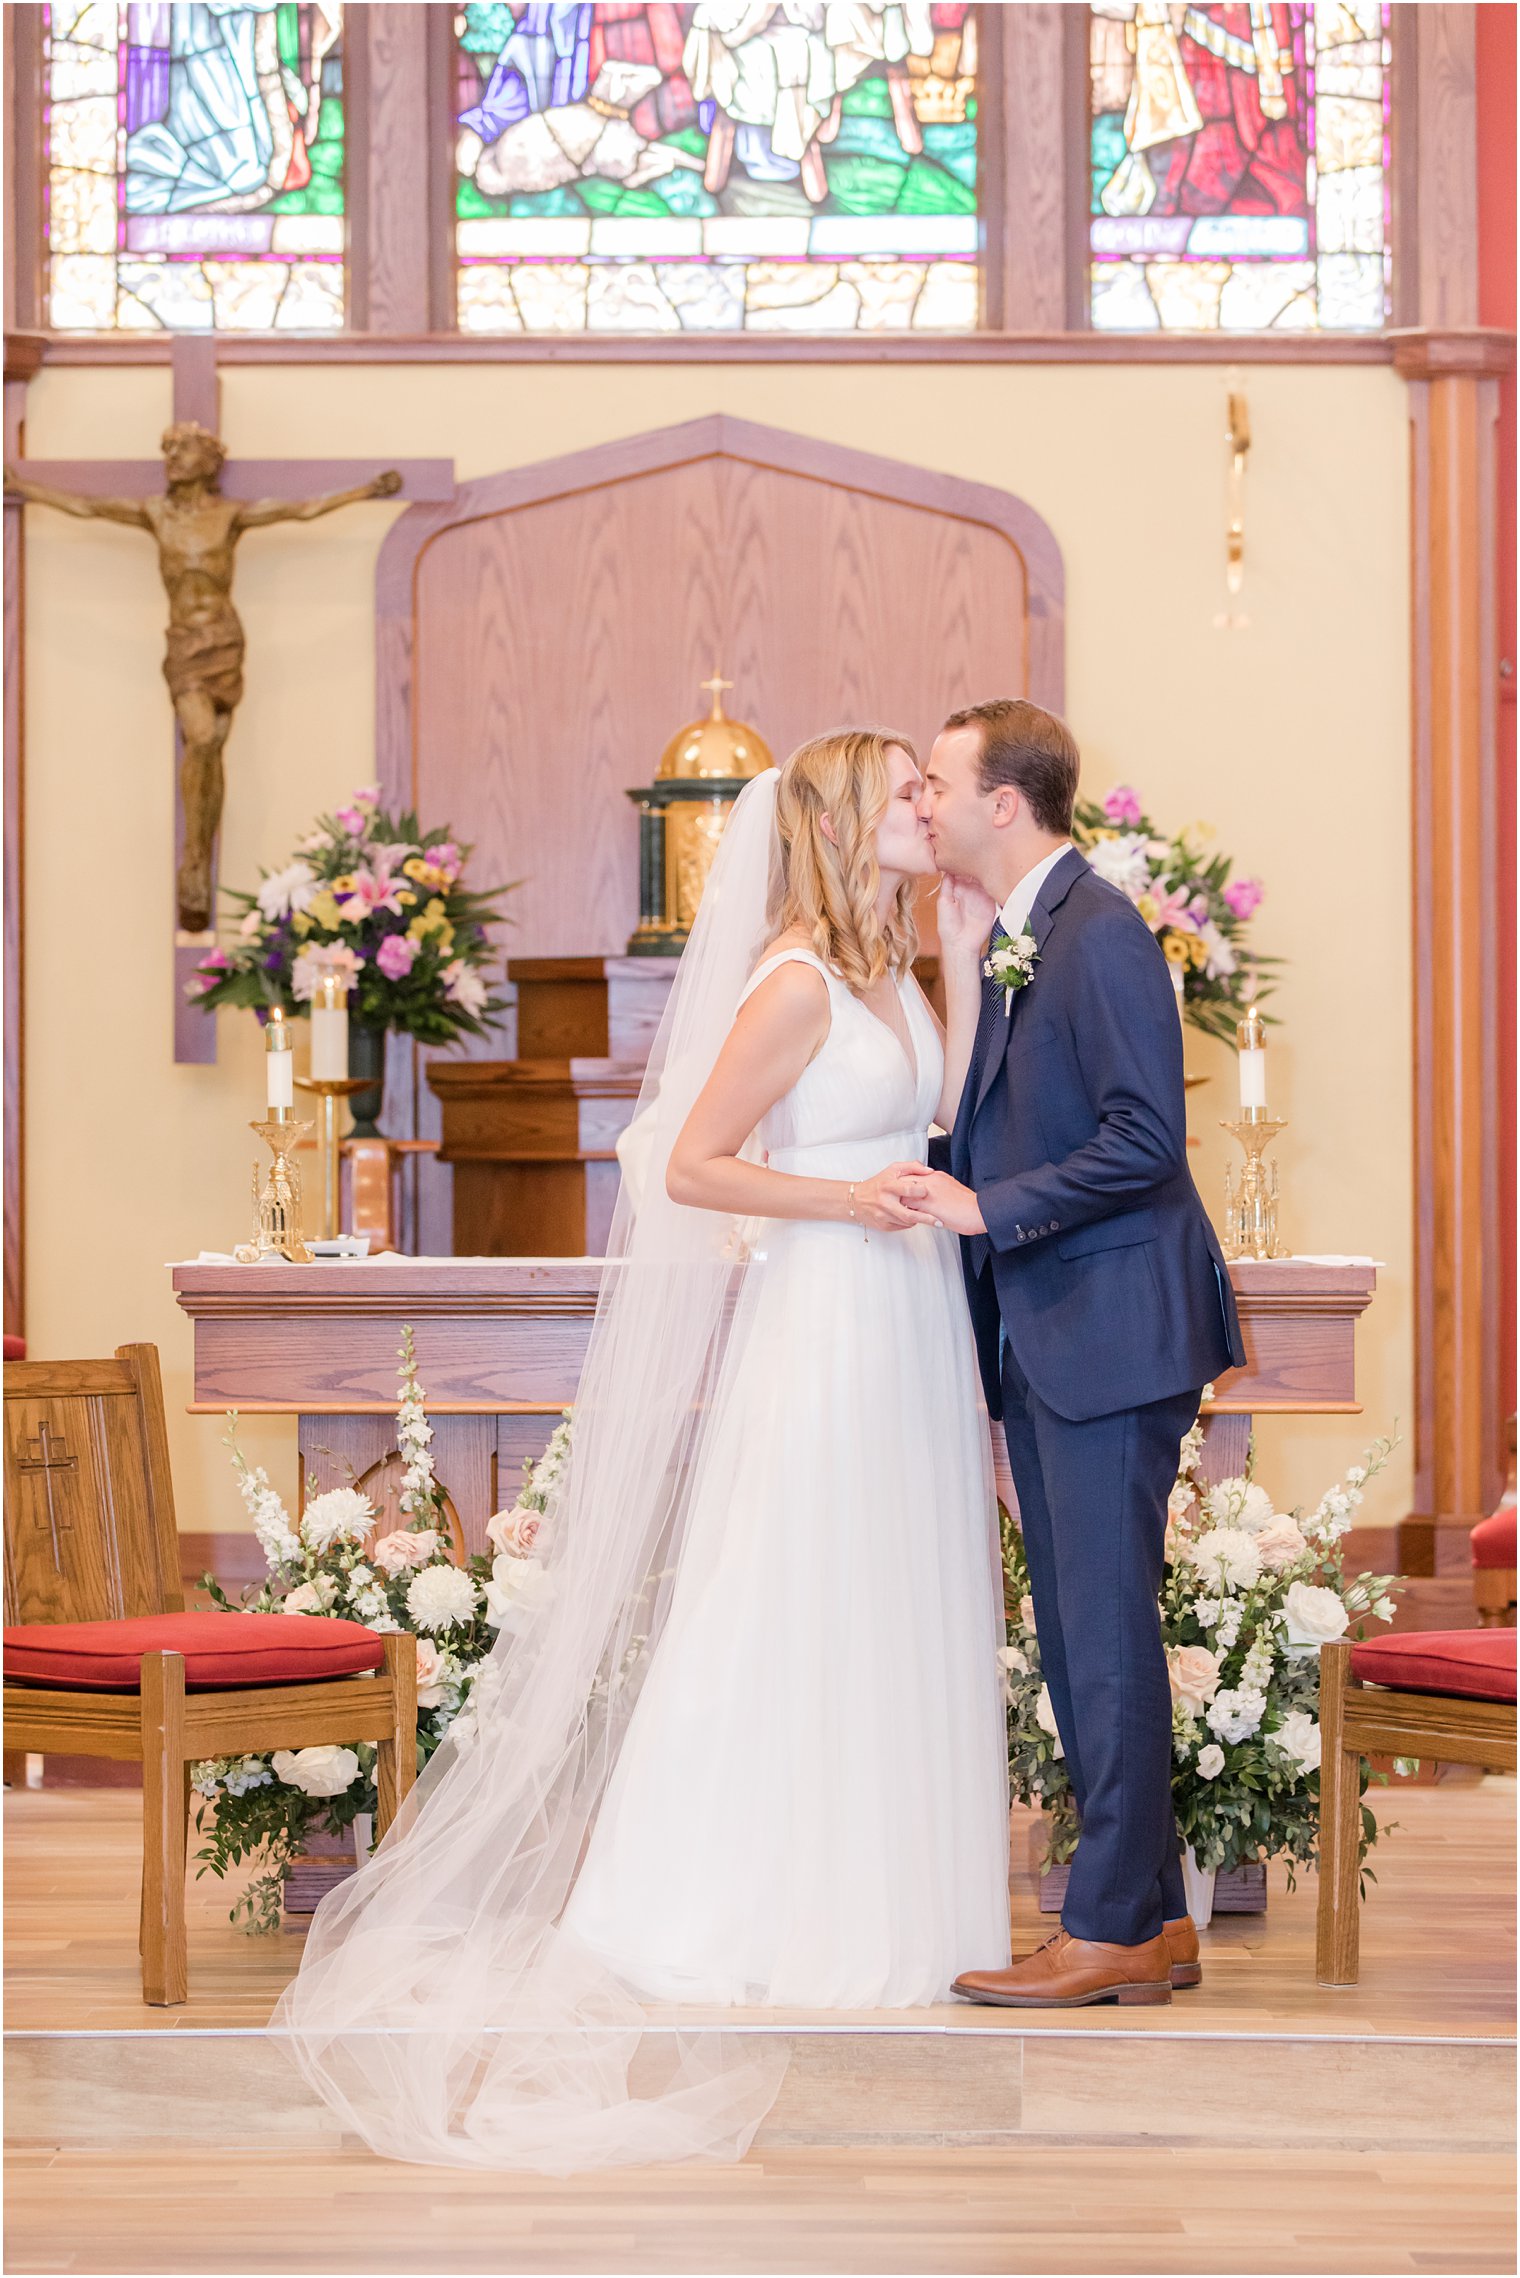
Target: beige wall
x,y
1291,737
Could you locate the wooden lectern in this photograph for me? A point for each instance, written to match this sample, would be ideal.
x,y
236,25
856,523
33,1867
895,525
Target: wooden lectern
x,y
532,1142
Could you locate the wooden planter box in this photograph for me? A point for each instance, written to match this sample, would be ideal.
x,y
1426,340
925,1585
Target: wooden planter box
x,y
1237,1890
327,1860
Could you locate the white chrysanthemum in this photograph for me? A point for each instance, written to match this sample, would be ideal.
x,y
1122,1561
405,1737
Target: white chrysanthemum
x,y
1235,1713
1239,1503
1210,1760
1124,862
1298,1736
342,1513
1313,1616
440,1596
324,1771
1226,1557
286,891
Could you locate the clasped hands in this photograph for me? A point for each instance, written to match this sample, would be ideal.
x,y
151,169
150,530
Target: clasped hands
x,y
910,1194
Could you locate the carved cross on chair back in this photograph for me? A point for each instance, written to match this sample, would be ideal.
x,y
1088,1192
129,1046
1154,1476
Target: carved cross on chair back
x,y
89,1528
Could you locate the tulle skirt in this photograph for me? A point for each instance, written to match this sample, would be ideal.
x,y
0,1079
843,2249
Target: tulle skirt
x,y
810,1806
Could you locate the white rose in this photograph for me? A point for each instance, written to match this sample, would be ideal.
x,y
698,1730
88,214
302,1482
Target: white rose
x,y
440,1596
1210,1761
1235,1714
515,1531
1313,1616
1194,1673
1279,1544
1013,1660
325,1771
1227,1557
1045,1718
407,1549
341,1513
432,1672
517,1585
1298,1737
311,1598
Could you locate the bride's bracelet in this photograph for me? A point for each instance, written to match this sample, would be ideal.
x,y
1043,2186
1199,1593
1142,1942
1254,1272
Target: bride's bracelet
x,y
860,1222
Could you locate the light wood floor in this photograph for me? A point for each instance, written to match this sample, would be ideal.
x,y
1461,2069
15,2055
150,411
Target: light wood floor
x,y
1259,2048
1438,1934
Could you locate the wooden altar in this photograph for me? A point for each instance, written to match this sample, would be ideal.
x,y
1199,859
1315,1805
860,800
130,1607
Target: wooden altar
x,y
500,1343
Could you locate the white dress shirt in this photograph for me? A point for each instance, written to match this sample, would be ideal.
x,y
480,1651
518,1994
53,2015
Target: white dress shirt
x,y
1014,914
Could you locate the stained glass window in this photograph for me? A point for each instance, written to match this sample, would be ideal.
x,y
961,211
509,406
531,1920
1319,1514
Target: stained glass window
x,y
194,167
723,167
1239,166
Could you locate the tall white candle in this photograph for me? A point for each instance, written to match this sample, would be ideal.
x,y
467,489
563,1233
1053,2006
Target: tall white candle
x,y
1253,1062
329,1031
279,1064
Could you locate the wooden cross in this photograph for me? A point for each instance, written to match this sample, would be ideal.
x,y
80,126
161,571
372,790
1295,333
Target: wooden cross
x,y
196,396
47,1459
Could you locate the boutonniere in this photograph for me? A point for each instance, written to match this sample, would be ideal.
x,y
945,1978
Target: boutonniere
x,y
1010,962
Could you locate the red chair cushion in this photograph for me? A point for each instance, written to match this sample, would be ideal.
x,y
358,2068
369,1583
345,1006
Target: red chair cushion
x,y
219,1650
1471,1664
15,1348
1493,1540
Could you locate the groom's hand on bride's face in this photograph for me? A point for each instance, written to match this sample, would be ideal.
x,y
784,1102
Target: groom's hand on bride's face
x,y
943,1201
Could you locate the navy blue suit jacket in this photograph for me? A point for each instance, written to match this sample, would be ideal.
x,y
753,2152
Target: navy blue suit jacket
x,y
1099,1258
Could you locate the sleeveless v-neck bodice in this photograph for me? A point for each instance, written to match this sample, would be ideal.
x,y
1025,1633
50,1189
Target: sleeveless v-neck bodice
x,y
858,1103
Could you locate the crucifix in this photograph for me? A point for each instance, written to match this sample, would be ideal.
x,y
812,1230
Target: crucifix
x,y
196,503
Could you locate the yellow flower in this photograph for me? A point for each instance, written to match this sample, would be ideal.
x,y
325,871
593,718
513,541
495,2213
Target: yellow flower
x,y
323,909
406,899
1103,834
1198,949
1147,908
343,885
413,867
1176,947
432,924
300,923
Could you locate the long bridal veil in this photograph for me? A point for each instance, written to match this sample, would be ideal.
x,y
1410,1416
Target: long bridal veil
x,y
439,2009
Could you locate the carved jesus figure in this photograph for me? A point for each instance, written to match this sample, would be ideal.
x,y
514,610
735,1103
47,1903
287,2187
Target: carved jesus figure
x,y
196,530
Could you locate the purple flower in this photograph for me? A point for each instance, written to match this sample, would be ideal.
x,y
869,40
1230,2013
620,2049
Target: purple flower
x,y
396,956
1243,897
1122,807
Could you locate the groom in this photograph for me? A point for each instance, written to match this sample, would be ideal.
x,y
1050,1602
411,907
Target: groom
x,y
1101,1307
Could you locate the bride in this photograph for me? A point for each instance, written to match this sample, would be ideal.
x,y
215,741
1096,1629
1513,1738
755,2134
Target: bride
x,y
746,1749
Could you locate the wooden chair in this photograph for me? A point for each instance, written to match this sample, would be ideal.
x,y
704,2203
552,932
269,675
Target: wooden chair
x,y
90,1540
1493,1559
1448,1695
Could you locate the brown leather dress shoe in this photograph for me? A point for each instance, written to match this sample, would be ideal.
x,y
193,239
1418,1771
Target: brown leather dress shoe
x,y
1067,1973
1182,1944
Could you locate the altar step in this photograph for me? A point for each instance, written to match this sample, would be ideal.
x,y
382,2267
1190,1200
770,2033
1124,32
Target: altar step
x,y
875,2084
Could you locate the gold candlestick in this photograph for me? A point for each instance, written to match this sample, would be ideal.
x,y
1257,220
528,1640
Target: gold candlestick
x,y
277,1200
1250,1210
330,1089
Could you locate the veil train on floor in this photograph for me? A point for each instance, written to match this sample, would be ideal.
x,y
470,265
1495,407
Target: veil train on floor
x,y
438,2008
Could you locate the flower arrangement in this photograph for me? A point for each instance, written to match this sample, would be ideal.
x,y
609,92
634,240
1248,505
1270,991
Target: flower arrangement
x,y
1250,1594
329,1564
376,899
1198,913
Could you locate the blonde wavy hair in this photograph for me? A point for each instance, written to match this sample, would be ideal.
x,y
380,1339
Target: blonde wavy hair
x,y
829,888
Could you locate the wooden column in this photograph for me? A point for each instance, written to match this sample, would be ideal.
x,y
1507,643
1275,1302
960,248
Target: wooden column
x,y
1453,400
397,70
1032,78
23,357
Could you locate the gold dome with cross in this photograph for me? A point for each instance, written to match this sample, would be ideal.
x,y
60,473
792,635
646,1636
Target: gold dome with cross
x,y
715,745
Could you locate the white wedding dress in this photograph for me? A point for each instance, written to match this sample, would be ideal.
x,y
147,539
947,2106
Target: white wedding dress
x,y
743,1743
810,1805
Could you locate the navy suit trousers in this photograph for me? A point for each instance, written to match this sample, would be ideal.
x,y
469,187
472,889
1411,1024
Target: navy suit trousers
x,y
1092,1505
